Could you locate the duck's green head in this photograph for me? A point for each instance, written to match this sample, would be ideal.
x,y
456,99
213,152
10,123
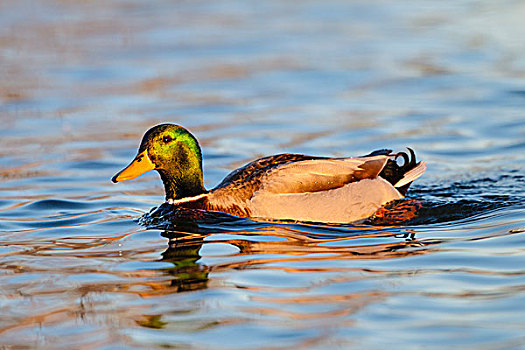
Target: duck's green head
x,y
175,154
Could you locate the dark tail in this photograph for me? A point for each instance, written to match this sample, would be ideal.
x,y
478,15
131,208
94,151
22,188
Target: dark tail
x,y
393,172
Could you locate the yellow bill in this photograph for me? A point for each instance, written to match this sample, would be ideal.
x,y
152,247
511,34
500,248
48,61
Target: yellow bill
x,y
138,166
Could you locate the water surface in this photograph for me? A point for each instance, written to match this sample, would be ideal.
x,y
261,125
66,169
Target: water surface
x,y
83,266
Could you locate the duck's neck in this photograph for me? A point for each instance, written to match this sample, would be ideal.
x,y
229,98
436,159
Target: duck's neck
x,y
178,184
182,176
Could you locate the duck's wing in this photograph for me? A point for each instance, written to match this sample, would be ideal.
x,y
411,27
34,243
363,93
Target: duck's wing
x,y
320,174
328,190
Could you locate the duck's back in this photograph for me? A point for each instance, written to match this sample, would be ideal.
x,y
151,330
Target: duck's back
x,y
251,173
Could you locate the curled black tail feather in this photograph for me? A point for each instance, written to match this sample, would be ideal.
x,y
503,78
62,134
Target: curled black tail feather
x,y
393,172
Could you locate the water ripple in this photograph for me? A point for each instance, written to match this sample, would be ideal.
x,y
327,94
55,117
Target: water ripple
x,y
88,264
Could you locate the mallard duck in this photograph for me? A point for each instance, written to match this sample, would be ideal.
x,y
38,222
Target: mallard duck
x,y
281,187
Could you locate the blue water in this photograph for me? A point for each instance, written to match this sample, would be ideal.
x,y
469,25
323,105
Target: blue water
x,y
83,264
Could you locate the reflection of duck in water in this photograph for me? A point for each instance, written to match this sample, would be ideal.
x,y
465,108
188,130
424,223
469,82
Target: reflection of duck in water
x,y
283,249
184,254
187,239
281,187
185,275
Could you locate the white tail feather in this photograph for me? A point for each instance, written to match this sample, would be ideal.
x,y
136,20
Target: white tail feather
x,y
412,174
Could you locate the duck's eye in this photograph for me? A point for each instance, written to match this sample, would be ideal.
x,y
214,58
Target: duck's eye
x,y
167,139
